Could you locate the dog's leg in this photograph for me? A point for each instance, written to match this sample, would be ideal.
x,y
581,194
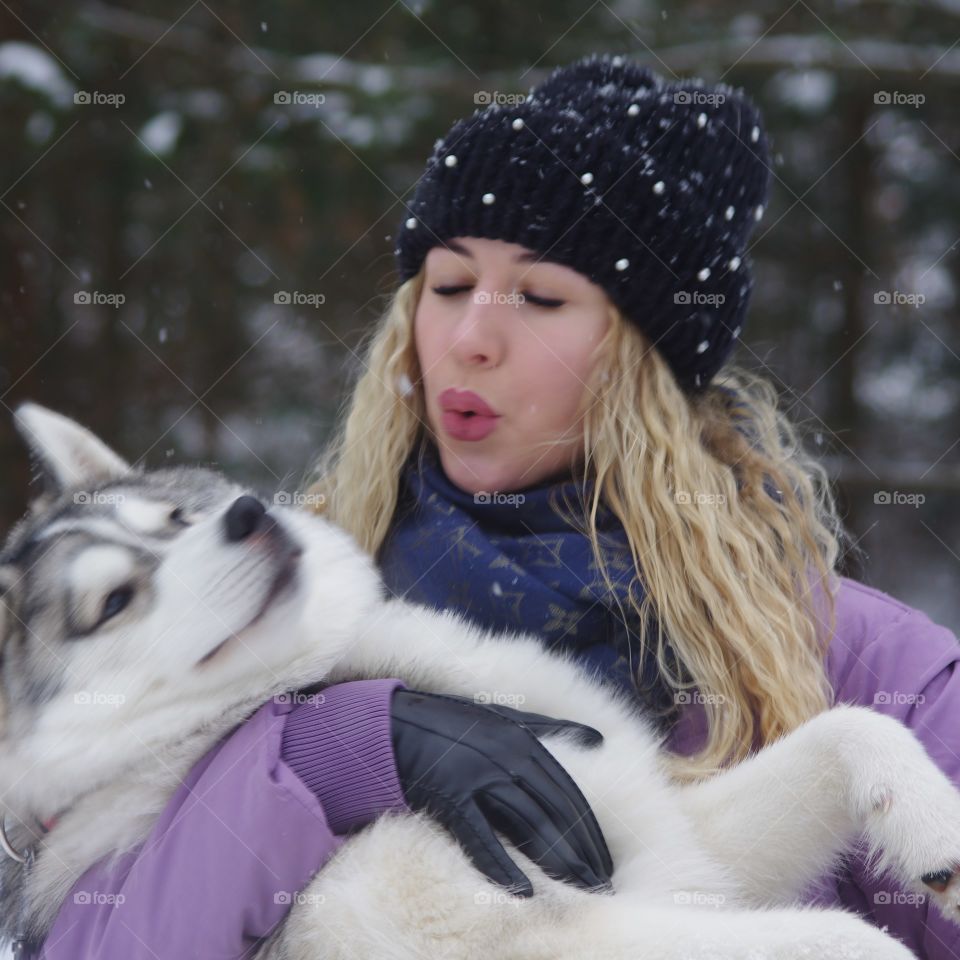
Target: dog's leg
x,y
780,818
440,652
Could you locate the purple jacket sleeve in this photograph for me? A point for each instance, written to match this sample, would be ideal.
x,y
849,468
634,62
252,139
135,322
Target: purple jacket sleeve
x,y
895,659
240,835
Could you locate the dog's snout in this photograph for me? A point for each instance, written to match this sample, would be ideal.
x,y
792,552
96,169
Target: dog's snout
x,y
245,515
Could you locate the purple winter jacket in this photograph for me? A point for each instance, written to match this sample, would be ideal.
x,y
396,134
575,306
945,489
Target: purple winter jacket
x,y
239,837
204,882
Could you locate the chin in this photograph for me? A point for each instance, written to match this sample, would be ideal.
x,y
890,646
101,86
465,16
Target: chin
x,y
474,474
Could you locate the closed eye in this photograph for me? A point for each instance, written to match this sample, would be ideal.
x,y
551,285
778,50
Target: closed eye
x,y
451,291
543,301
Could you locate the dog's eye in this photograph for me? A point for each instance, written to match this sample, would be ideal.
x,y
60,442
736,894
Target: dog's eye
x,y
116,601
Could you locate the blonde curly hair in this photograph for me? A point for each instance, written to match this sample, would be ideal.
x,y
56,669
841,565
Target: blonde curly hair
x,y
729,573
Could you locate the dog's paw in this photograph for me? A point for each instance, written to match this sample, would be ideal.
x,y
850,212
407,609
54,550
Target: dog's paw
x,y
916,835
914,830
905,805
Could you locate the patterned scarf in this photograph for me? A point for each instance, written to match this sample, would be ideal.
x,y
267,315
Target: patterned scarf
x,y
509,562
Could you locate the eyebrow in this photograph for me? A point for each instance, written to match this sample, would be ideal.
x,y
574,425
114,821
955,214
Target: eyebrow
x,y
528,256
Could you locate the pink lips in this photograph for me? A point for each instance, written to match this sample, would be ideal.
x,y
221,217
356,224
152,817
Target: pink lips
x,y
466,416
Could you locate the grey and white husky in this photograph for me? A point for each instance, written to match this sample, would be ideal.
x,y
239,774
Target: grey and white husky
x,y
143,583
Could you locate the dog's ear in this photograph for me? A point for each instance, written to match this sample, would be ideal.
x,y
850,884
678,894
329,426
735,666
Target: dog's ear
x,y
69,456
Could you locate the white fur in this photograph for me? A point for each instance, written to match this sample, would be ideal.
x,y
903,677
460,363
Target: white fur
x,y
706,871
701,871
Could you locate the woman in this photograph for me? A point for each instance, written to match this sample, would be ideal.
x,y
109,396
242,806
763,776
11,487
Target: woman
x,y
575,459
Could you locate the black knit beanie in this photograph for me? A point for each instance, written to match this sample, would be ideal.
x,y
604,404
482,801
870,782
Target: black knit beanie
x,y
648,188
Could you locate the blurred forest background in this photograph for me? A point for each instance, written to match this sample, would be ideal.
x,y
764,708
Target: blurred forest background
x,y
193,160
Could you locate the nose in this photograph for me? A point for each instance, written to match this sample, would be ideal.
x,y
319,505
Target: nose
x,y
478,337
243,517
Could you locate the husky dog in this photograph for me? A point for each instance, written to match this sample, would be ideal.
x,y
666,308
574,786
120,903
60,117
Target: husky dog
x,y
144,583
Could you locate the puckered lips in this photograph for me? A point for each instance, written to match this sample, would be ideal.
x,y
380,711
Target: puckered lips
x,y
466,415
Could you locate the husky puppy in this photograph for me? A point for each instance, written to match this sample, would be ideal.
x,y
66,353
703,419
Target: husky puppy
x,y
144,587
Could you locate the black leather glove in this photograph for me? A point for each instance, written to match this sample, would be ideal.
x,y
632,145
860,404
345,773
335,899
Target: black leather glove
x,y
477,767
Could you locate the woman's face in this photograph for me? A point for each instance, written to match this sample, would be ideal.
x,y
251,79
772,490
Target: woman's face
x,y
518,334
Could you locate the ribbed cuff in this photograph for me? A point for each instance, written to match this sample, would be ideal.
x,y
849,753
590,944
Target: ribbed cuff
x,y
338,742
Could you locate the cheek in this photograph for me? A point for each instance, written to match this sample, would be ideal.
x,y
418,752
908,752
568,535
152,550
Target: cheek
x,y
426,340
558,368
552,388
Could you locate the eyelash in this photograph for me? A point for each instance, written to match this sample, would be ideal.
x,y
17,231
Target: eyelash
x,y
536,301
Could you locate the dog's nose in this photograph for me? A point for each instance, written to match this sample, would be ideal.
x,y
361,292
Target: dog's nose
x,y
243,517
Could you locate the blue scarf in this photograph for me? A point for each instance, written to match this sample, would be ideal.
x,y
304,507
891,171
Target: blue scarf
x,y
507,563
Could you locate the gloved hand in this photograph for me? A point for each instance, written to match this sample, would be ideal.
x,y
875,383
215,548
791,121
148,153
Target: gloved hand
x,y
476,768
